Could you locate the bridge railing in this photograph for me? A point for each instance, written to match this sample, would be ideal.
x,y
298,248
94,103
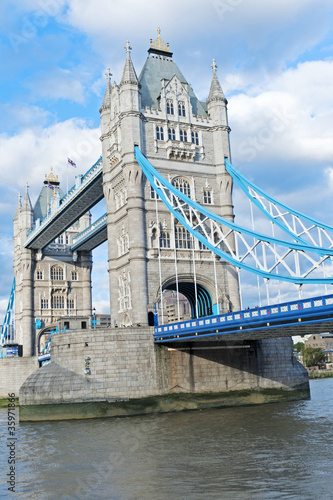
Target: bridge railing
x,y
239,320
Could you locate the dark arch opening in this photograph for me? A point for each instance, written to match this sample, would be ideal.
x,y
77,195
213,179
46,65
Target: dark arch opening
x,y
43,337
205,303
151,320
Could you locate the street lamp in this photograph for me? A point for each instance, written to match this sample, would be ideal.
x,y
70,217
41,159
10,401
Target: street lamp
x,y
94,318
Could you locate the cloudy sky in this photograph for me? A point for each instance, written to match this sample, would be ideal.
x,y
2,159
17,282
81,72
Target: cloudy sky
x,y
274,63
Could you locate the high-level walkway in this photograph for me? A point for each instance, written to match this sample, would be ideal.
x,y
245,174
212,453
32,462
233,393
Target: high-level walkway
x,y
86,193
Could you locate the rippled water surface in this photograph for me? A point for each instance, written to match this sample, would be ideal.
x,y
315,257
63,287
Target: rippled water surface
x,y
276,451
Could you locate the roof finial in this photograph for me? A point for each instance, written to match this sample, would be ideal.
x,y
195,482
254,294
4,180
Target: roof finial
x,y
159,44
108,73
214,66
128,47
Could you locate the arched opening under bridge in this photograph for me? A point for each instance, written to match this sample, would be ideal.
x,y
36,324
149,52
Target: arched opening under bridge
x,y
199,298
43,337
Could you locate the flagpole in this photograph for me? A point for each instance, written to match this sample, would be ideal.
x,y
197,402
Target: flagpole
x,y
67,178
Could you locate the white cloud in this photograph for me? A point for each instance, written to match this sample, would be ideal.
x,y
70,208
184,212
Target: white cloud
x,y
28,155
60,84
289,118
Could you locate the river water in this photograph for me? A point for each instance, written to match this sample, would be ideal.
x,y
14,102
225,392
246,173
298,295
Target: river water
x,y
275,451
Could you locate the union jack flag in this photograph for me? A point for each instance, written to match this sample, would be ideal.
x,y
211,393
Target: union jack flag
x,y
50,186
71,162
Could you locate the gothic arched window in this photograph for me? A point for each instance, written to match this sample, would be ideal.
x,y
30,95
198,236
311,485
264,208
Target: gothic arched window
x,y
159,133
182,185
181,108
57,302
181,135
164,239
170,110
195,138
171,134
70,303
182,237
74,275
57,273
207,196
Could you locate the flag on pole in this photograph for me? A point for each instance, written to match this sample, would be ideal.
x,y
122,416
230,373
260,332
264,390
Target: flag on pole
x,y
71,162
50,186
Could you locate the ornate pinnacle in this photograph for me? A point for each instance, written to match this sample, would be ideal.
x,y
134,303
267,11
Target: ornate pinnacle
x,y
128,47
214,66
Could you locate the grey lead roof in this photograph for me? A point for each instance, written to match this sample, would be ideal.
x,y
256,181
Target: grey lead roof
x,y
154,70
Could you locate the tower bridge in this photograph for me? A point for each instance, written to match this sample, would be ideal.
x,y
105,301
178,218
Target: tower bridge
x,y
166,178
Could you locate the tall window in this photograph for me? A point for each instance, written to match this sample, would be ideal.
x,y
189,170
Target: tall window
x,y
171,134
170,110
57,273
57,302
182,237
39,275
182,185
181,135
181,108
74,275
164,240
195,138
159,133
44,304
153,193
207,196
70,303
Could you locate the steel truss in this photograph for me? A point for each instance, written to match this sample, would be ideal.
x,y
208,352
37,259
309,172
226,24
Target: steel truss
x,y
299,261
6,326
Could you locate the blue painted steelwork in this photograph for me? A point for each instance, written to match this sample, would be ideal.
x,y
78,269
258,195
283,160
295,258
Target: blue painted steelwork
x,y
8,316
301,312
45,355
180,206
245,184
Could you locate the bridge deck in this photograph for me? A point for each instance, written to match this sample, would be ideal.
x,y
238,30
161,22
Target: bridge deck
x,y
302,317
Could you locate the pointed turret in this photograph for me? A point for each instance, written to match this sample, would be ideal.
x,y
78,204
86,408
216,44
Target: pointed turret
x,y
18,208
26,204
129,74
26,210
106,103
215,92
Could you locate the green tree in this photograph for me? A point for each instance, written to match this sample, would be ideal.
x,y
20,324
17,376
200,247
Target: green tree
x,y
312,356
299,346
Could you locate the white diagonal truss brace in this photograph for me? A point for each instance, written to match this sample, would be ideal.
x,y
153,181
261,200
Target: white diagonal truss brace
x,y
298,261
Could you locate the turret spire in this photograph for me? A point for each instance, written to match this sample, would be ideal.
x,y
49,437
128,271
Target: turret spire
x,y
129,75
215,92
106,103
18,208
26,204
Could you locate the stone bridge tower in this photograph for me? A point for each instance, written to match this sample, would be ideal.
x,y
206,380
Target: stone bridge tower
x,y
52,282
186,140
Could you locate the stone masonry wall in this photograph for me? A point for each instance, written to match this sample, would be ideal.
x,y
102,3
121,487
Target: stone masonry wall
x,y
13,372
125,364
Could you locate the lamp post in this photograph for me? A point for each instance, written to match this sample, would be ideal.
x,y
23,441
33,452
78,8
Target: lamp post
x,y
94,318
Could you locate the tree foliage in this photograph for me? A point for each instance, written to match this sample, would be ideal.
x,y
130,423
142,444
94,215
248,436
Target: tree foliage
x,y
299,346
312,356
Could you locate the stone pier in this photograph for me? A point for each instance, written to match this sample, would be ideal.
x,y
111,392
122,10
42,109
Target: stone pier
x,y
130,375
